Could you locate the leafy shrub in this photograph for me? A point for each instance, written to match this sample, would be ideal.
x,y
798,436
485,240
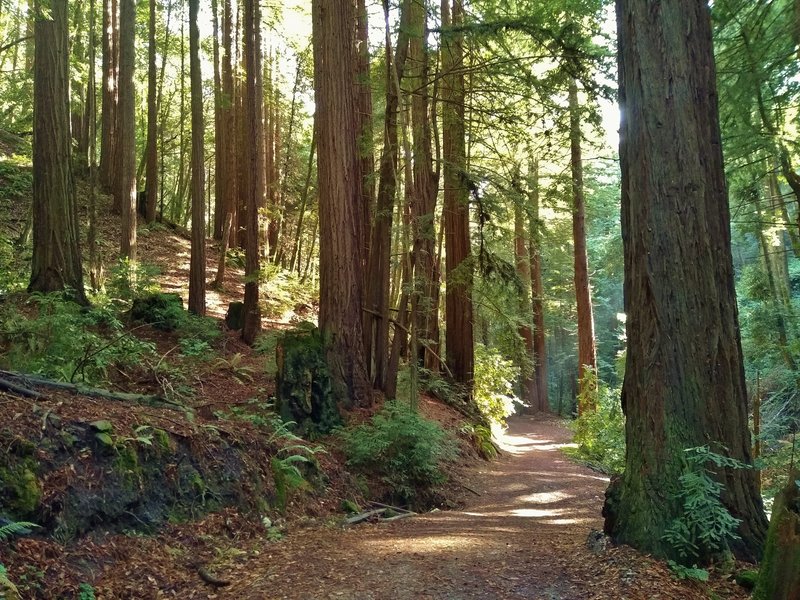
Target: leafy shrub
x,y
600,434
494,384
401,447
706,526
66,341
131,280
12,268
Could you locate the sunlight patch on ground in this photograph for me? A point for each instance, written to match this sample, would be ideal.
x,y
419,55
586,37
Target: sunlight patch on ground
x,y
517,444
537,513
426,544
545,497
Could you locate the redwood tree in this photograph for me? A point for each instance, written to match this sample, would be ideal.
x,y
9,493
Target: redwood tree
x,y
125,188
684,381
587,352
56,260
458,269
253,155
341,213
197,264
151,171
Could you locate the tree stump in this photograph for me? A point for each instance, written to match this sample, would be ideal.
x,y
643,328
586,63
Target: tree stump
x,y
234,318
779,577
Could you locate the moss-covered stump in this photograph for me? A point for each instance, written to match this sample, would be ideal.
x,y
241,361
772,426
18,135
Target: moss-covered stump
x,y
20,488
162,311
234,318
779,577
304,388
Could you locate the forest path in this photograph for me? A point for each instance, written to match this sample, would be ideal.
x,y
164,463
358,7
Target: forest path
x,y
523,537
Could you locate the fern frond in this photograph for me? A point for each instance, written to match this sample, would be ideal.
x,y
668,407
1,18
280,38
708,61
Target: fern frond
x,y
15,528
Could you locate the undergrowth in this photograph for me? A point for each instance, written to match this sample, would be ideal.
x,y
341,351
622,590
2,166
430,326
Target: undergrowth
x,y
403,449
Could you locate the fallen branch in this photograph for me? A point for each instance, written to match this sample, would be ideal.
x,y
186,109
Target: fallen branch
x,y
396,517
390,507
18,390
469,489
364,516
74,388
211,579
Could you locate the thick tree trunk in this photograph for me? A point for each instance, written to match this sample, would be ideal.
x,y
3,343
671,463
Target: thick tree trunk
x,y
587,353
219,135
254,152
56,262
458,269
364,128
684,380
126,132
151,171
537,291
197,264
341,211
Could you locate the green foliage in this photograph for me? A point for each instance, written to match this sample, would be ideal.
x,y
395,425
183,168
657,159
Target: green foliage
x,y
85,592
683,572
401,447
481,438
15,528
12,268
235,367
600,434
131,280
705,526
65,341
494,384
282,289
163,311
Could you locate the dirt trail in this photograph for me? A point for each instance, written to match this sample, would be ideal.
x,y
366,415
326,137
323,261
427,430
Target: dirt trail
x,y
523,537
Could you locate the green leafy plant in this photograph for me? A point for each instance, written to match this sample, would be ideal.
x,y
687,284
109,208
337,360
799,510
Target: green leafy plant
x,y
15,528
682,572
404,449
481,438
130,280
85,592
705,525
235,367
64,341
494,384
600,433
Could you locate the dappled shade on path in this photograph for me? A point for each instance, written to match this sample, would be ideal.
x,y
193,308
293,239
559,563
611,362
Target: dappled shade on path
x,y
523,537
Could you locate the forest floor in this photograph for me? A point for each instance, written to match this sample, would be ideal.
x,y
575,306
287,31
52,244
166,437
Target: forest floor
x,y
523,535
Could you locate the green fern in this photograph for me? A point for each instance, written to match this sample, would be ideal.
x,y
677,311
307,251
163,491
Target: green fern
x,y
15,528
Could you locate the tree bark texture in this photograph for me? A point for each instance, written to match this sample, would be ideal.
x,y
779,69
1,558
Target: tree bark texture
x,y
108,123
376,318
126,133
458,268
197,263
426,277
254,155
684,381
56,262
525,330
151,170
340,186
587,352
364,124
537,291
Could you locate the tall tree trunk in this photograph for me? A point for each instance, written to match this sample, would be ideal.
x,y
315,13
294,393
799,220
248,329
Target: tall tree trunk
x,y
523,266
254,152
684,380
126,132
91,111
151,177
219,134
197,264
341,211
108,124
376,318
537,290
365,129
426,281
587,353
56,262
226,135
458,270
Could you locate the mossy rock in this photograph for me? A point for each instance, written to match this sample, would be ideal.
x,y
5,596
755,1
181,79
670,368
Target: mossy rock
x,y
162,311
20,490
747,579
